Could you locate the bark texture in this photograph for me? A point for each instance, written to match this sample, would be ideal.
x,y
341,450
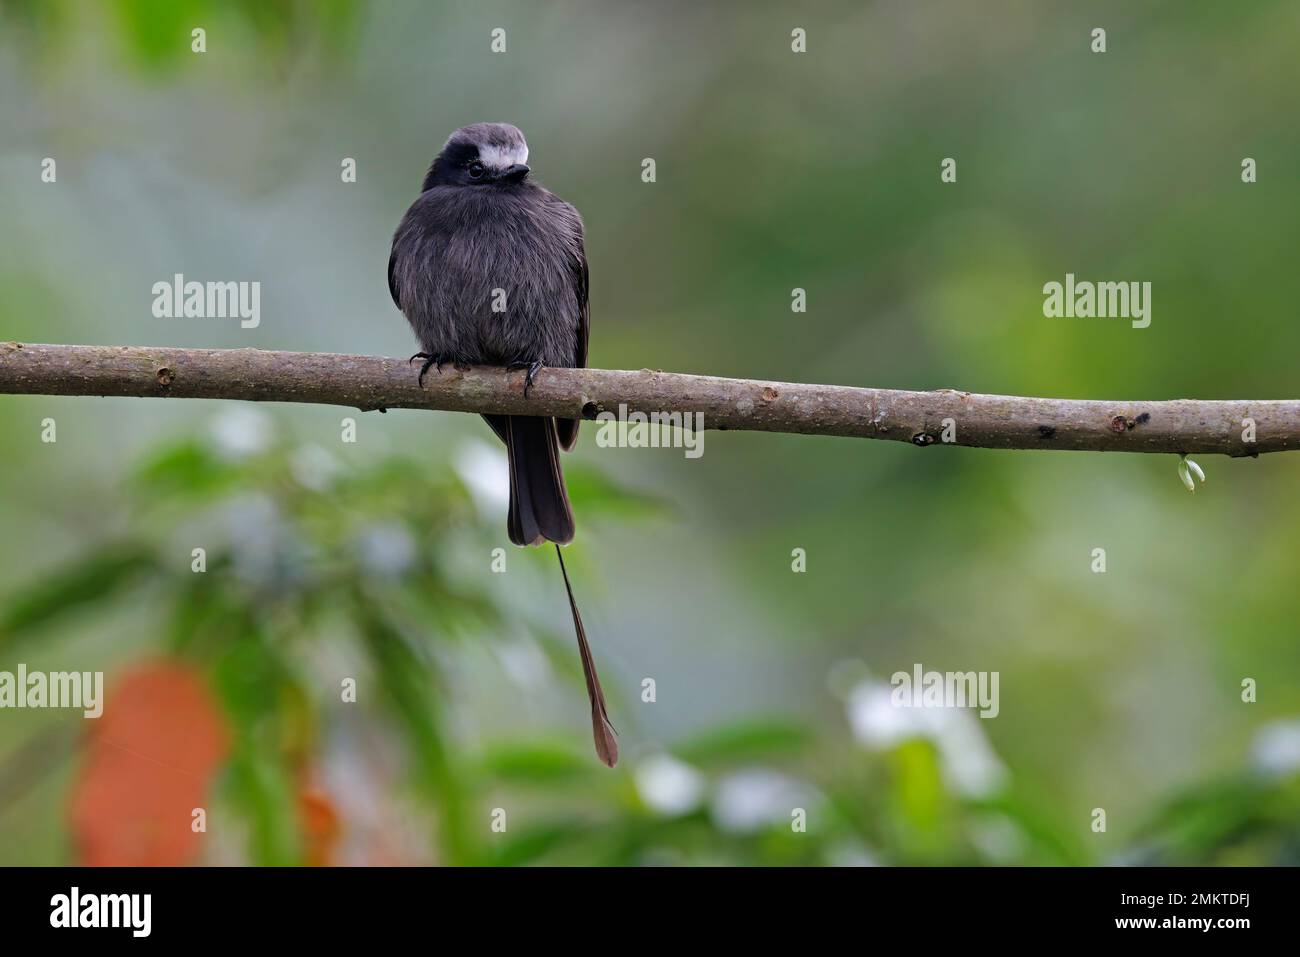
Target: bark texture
x,y
373,382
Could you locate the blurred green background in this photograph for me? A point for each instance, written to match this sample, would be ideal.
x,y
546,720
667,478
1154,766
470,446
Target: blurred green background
x,y
775,170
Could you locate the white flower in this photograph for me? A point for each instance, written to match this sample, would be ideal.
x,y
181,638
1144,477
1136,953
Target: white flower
x,y
668,786
239,430
969,763
756,798
486,473
313,466
1276,749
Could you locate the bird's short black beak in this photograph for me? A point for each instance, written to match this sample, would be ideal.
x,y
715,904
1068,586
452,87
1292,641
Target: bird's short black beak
x,y
514,174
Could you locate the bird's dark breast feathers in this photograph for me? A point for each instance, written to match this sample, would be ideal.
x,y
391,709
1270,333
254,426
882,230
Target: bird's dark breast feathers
x,y
486,275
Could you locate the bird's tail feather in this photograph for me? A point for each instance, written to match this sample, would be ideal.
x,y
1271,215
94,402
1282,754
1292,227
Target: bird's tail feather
x,y
539,502
602,731
540,510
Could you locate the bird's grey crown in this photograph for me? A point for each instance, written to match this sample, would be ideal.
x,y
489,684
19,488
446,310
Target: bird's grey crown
x,y
499,145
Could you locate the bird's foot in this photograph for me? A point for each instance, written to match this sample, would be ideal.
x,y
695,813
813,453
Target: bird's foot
x,y
533,368
430,359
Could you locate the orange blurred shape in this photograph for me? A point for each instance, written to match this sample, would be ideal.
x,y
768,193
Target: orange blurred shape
x,y
321,827
148,763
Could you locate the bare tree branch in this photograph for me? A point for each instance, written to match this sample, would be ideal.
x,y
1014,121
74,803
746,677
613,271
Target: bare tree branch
x,y
371,382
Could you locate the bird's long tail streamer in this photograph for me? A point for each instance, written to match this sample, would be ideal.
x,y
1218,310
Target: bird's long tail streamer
x,y
602,731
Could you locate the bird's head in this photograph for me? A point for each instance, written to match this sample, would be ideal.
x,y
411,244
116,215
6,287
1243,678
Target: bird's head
x,y
485,154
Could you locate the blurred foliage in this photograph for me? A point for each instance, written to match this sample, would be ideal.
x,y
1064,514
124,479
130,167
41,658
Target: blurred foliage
x,y
155,35
298,546
776,171
1243,820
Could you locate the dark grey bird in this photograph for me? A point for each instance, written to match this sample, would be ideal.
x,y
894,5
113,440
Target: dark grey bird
x,y
489,268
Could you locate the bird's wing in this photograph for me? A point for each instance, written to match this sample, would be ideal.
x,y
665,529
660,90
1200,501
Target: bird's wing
x,y
392,280
567,429
580,281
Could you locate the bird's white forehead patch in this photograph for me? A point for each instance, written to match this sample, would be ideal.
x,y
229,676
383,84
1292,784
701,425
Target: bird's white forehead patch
x,y
501,157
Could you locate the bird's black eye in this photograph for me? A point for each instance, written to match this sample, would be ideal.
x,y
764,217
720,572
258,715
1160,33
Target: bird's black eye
x,y
476,170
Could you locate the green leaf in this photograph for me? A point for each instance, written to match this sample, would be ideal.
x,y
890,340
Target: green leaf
x,y
262,700
88,581
261,786
530,845
184,470
745,741
408,690
536,763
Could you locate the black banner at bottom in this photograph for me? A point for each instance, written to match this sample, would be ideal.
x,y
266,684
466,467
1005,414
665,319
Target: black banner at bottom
x,y
333,907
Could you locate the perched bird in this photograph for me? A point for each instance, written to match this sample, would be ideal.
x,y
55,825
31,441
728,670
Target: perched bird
x,y
489,269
